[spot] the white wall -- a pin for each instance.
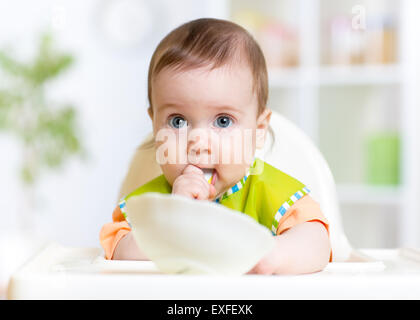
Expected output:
(108, 87)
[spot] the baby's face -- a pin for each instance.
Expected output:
(208, 108)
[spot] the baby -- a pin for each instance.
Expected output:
(209, 76)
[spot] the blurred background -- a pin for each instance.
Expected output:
(73, 100)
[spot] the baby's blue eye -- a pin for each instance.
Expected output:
(223, 122)
(177, 122)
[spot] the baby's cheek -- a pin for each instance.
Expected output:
(230, 150)
(228, 175)
(171, 172)
(171, 148)
(237, 147)
(166, 146)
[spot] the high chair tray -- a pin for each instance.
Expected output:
(58, 272)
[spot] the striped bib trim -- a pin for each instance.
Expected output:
(285, 206)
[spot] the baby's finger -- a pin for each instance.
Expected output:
(252, 270)
(212, 191)
(192, 169)
(201, 192)
(191, 186)
(208, 190)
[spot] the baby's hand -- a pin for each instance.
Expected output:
(268, 263)
(264, 266)
(191, 183)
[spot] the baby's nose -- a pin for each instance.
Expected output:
(199, 143)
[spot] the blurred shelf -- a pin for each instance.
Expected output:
(367, 194)
(303, 91)
(335, 76)
(284, 77)
(360, 75)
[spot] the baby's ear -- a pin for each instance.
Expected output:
(263, 121)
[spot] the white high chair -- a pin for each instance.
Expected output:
(70, 273)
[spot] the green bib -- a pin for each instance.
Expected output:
(264, 193)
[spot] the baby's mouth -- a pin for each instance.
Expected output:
(210, 175)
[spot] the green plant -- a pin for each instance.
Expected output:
(47, 130)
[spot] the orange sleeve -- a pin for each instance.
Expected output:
(111, 233)
(306, 209)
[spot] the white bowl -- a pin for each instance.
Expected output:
(182, 235)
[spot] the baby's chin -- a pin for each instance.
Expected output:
(227, 178)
